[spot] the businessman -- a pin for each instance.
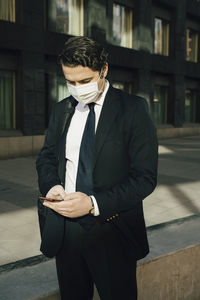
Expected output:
(98, 163)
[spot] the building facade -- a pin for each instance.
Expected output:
(154, 52)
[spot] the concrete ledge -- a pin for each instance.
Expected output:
(173, 276)
(19, 146)
(50, 296)
(164, 133)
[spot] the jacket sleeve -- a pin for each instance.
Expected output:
(142, 175)
(47, 162)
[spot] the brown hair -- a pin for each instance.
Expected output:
(83, 51)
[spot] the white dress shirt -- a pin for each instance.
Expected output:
(73, 142)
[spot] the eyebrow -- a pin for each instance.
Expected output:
(82, 80)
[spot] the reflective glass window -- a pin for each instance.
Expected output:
(161, 37)
(190, 106)
(66, 16)
(125, 86)
(191, 45)
(122, 26)
(7, 100)
(159, 105)
(7, 10)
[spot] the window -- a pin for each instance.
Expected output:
(7, 10)
(122, 26)
(159, 105)
(125, 86)
(57, 88)
(191, 97)
(62, 90)
(56, 91)
(66, 16)
(7, 100)
(161, 37)
(118, 85)
(191, 45)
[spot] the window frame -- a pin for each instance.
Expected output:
(166, 99)
(127, 77)
(130, 5)
(49, 21)
(193, 117)
(194, 86)
(196, 54)
(13, 127)
(11, 18)
(9, 61)
(125, 86)
(165, 35)
(163, 81)
(167, 15)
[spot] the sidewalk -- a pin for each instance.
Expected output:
(177, 196)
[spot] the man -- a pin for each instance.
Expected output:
(99, 161)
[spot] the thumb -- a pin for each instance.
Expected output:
(62, 192)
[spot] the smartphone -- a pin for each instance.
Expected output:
(48, 199)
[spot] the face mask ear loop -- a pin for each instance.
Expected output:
(101, 74)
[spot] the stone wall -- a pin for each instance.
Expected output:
(175, 276)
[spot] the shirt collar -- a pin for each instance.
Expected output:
(102, 98)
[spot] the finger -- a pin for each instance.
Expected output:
(72, 196)
(56, 192)
(58, 205)
(47, 204)
(60, 210)
(54, 196)
(63, 193)
(53, 204)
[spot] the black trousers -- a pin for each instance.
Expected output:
(101, 256)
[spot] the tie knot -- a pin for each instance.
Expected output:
(91, 106)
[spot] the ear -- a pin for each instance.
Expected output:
(105, 71)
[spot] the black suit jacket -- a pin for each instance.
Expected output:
(124, 167)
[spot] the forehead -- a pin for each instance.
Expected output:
(78, 73)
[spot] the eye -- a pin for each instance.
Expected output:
(70, 82)
(85, 81)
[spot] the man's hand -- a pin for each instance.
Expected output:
(56, 192)
(74, 205)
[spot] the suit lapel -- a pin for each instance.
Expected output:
(65, 122)
(69, 111)
(110, 109)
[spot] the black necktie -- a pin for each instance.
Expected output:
(84, 180)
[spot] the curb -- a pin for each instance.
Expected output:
(30, 261)
(49, 296)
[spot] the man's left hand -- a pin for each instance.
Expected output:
(74, 205)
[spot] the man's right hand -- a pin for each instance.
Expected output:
(56, 192)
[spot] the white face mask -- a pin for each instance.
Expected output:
(85, 93)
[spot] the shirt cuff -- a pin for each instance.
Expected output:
(96, 208)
